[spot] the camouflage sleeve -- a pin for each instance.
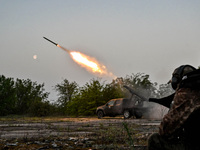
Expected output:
(178, 114)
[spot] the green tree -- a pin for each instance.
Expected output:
(111, 91)
(141, 83)
(74, 106)
(92, 95)
(28, 93)
(89, 97)
(40, 108)
(138, 80)
(7, 95)
(66, 92)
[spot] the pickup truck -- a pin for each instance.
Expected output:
(123, 106)
(120, 106)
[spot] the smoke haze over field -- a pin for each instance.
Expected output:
(152, 37)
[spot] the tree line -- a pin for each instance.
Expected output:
(25, 97)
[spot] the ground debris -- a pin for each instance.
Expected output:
(91, 134)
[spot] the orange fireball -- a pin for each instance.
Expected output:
(87, 62)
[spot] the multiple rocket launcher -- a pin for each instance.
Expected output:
(166, 101)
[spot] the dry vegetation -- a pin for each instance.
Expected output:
(75, 133)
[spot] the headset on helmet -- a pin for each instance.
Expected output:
(179, 73)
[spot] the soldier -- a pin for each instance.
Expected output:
(180, 127)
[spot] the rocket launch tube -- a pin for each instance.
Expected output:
(166, 101)
(135, 93)
(50, 41)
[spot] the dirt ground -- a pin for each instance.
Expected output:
(75, 133)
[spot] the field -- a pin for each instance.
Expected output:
(59, 133)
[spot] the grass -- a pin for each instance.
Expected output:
(108, 133)
(129, 135)
(20, 118)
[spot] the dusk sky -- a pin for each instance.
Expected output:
(127, 36)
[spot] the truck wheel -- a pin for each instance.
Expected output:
(138, 114)
(100, 114)
(126, 114)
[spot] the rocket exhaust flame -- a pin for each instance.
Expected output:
(63, 48)
(90, 64)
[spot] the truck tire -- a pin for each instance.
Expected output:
(100, 114)
(126, 114)
(138, 115)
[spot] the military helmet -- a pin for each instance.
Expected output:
(178, 74)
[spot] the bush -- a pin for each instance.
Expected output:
(40, 109)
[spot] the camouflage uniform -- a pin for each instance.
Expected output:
(172, 134)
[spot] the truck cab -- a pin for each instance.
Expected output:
(112, 107)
